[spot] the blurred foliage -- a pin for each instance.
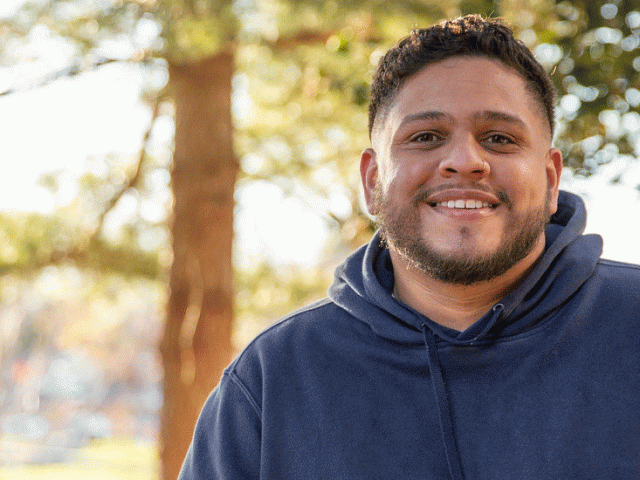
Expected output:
(303, 71)
(598, 80)
(63, 307)
(29, 242)
(265, 293)
(591, 50)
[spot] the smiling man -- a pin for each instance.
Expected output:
(463, 182)
(479, 335)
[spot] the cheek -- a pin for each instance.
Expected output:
(527, 182)
(408, 176)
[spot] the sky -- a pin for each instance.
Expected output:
(8, 7)
(67, 124)
(61, 125)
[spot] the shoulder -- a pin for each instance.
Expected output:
(318, 315)
(309, 324)
(616, 271)
(289, 346)
(616, 282)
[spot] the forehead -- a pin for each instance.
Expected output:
(460, 87)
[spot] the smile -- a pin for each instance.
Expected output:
(472, 204)
(461, 199)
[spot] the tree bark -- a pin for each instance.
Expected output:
(196, 345)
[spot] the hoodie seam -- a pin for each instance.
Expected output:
(314, 306)
(235, 379)
(616, 264)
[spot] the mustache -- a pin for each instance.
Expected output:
(423, 195)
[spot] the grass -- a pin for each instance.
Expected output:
(111, 459)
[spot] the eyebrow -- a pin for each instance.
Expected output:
(429, 115)
(490, 115)
(485, 115)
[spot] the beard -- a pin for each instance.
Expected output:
(399, 229)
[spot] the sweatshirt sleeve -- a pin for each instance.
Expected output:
(226, 441)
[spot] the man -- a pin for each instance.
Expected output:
(479, 335)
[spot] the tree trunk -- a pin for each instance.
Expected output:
(196, 345)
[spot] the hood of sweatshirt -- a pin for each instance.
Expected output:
(364, 283)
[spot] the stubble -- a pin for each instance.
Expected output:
(400, 229)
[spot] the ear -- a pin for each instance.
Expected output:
(369, 176)
(554, 170)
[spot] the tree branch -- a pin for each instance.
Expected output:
(313, 37)
(304, 37)
(135, 177)
(73, 70)
(101, 256)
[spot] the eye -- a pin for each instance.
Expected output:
(425, 137)
(499, 141)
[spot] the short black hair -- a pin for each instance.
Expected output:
(470, 35)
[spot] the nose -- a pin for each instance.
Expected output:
(465, 158)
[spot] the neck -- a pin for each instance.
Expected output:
(453, 305)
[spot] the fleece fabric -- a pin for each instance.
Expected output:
(360, 386)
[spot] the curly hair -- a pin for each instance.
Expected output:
(470, 35)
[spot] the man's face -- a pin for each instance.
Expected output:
(461, 176)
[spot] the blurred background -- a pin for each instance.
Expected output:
(178, 174)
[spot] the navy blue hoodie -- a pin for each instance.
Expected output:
(360, 386)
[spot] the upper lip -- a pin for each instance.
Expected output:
(462, 194)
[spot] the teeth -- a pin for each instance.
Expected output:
(463, 204)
